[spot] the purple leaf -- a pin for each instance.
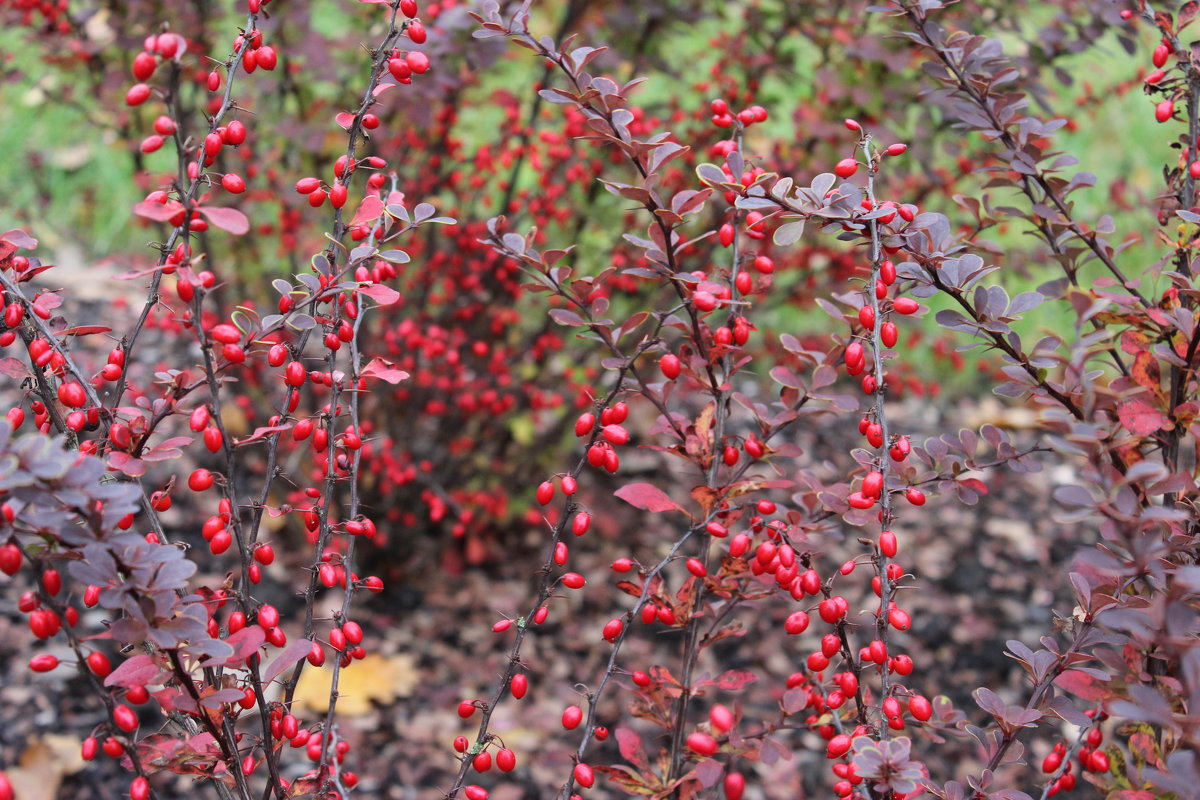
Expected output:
(296, 650)
(245, 643)
(136, 671)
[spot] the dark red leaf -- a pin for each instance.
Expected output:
(295, 650)
(735, 679)
(646, 496)
(1140, 418)
(159, 212)
(368, 210)
(630, 745)
(382, 295)
(384, 370)
(83, 330)
(227, 219)
(134, 671)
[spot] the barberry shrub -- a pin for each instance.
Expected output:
(643, 297)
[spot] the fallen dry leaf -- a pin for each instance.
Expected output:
(45, 762)
(375, 678)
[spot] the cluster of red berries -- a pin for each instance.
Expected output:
(1090, 758)
(723, 116)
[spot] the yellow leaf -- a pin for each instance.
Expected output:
(375, 678)
(43, 765)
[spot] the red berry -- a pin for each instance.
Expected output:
(72, 395)
(838, 746)
(200, 480)
(400, 70)
(417, 61)
(213, 143)
(144, 65)
(10, 559)
(125, 718)
(43, 663)
(295, 374)
(734, 785)
(670, 366)
(267, 58)
(571, 717)
(44, 623)
(920, 708)
(99, 664)
(615, 434)
(220, 542)
(338, 195)
(702, 744)
(830, 610)
(137, 94)
(584, 775)
(268, 616)
(213, 439)
(797, 623)
(888, 334)
(845, 168)
(585, 423)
